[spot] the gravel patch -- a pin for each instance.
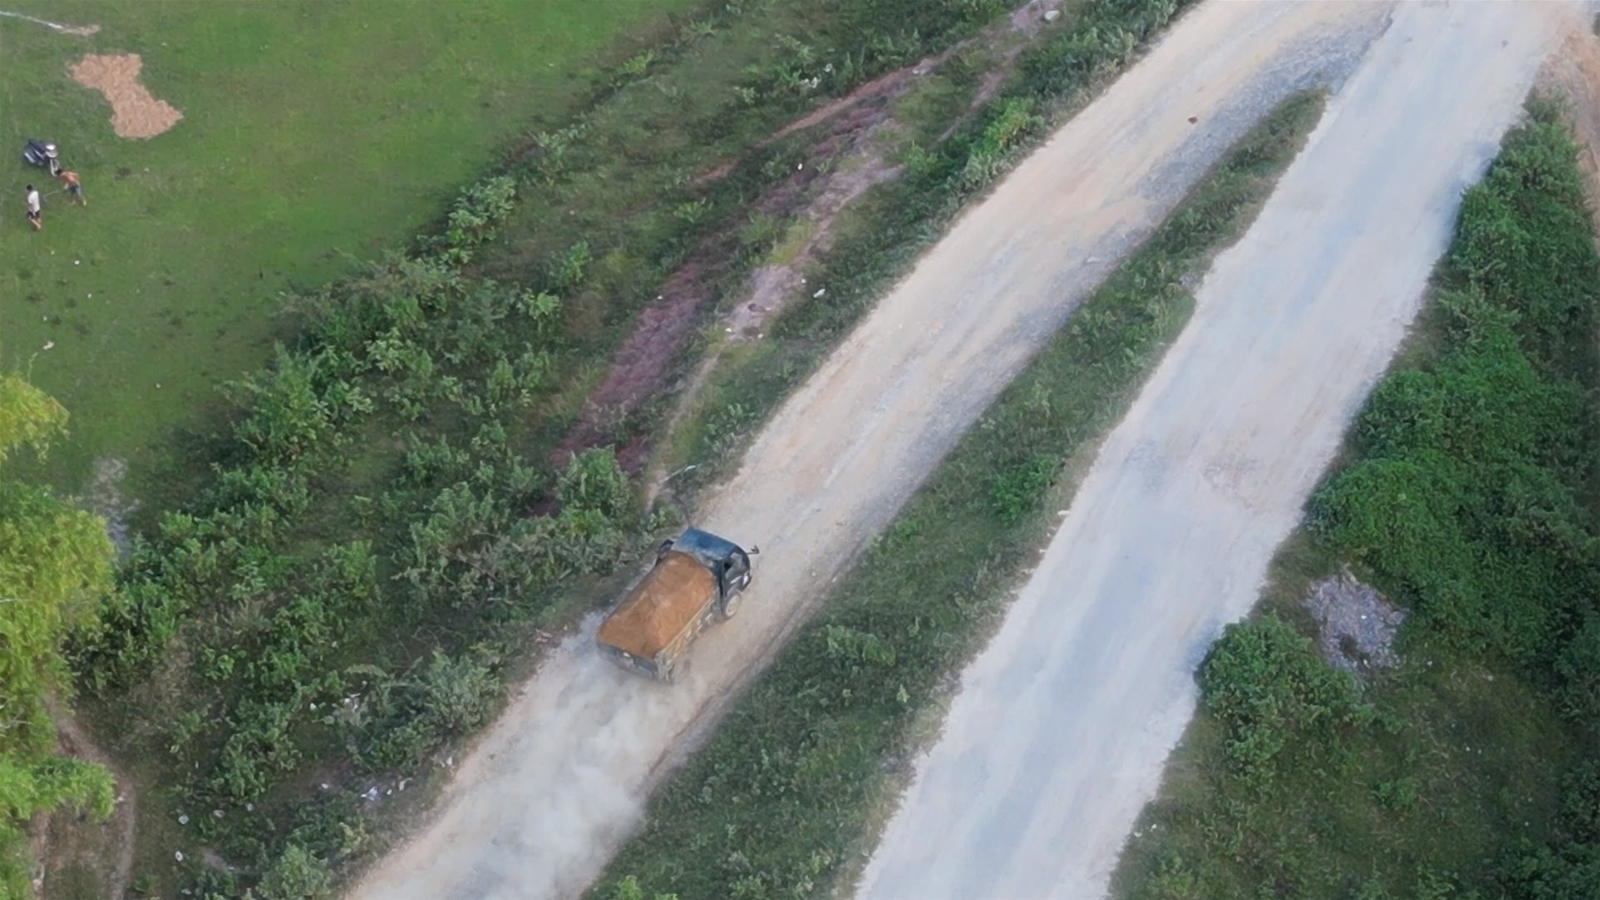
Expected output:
(1358, 624)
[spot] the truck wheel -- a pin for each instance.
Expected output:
(730, 606)
(665, 546)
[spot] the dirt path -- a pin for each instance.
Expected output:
(87, 844)
(1058, 735)
(549, 793)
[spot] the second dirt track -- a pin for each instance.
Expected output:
(1208, 471)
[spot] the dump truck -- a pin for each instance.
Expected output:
(696, 579)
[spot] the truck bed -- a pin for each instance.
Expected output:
(671, 597)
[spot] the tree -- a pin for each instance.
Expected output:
(55, 562)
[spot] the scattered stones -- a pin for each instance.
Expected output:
(1358, 624)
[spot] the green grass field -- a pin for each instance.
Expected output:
(313, 134)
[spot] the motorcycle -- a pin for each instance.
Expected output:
(42, 153)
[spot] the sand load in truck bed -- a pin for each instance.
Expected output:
(665, 603)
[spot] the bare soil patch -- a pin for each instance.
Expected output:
(73, 848)
(639, 369)
(135, 113)
(1358, 624)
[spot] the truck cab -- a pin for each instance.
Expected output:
(697, 578)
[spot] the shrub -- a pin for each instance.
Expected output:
(297, 875)
(1268, 687)
(1398, 795)
(456, 695)
(473, 217)
(1579, 669)
(1019, 488)
(593, 481)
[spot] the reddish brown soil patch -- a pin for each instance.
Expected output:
(640, 366)
(134, 112)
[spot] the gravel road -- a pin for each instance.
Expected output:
(1058, 735)
(559, 781)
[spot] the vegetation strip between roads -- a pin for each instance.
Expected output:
(786, 796)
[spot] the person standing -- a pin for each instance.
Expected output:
(74, 187)
(34, 210)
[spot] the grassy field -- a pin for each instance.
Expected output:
(314, 134)
(794, 781)
(1465, 495)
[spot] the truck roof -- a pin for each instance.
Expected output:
(710, 548)
(669, 598)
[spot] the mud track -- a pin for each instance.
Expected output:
(550, 792)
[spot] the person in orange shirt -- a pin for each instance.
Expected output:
(69, 178)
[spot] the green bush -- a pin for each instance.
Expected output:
(1398, 795)
(594, 481)
(1579, 669)
(456, 695)
(1524, 239)
(1019, 488)
(297, 875)
(1269, 688)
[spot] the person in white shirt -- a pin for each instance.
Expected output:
(33, 209)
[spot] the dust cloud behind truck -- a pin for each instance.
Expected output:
(697, 579)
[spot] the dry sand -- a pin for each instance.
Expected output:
(134, 112)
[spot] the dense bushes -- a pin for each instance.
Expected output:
(1266, 684)
(1466, 498)
(1568, 869)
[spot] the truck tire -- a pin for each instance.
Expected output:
(665, 546)
(730, 606)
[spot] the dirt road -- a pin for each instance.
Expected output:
(559, 781)
(1058, 735)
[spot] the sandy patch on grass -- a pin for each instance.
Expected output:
(135, 113)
